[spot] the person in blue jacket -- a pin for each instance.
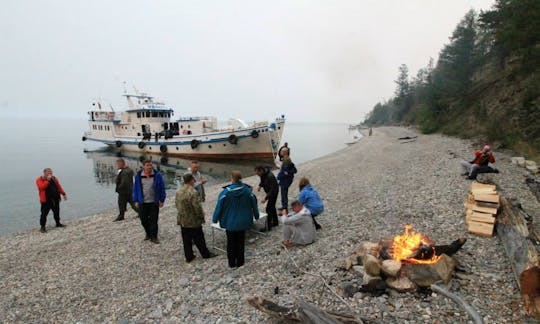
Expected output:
(285, 178)
(235, 209)
(309, 197)
(149, 196)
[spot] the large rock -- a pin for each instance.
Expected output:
(391, 268)
(518, 160)
(358, 270)
(531, 166)
(347, 290)
(371, 280)
(368, 248)
(424, 275)
(401, 284)
(371, 265)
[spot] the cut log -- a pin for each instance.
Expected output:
(475, 186)
(487, 204)
(480, 218)
(523, 254)
(477, 208)
(481, 229)
(302, 312)
(486, 198)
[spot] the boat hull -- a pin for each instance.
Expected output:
(250, 143)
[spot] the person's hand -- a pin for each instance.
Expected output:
(258, 189)
(264, 200)
(284, 212)
(49, 177)
(160, 204)
(65, 197)
(203, 181)
(137, 205)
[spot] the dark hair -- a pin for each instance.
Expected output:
(259, 168)
(303, 182)
(188, 177)
(236, 176)
(147, 161)
(121, 160)
(296, 202)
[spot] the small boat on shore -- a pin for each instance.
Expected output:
(147, 127)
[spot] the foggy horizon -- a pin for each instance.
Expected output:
(313, 61)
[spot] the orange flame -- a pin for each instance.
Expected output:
(405, 246)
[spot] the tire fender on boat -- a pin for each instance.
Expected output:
(118, 143)
(233, 139)
(84, 138)
(142, 144)
(194, 144)
(254, 134)
(163, 148)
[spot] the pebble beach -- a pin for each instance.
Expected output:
(96, 271)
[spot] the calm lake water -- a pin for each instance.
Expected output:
(87, 172)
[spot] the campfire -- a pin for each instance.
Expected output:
(414, 248)
(404, 263)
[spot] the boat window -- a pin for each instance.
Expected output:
(188, 126)
(147, 114)
(154, 114)
(139, 115)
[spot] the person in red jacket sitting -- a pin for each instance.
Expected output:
(480, 164)
(49, 189)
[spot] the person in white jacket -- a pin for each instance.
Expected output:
(298, 226)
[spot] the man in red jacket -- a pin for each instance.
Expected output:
(49, 189)
(480, 164)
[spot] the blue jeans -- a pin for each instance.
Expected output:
(284, 196)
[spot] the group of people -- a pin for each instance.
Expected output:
(235, 210)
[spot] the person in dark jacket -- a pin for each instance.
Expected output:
(309, 197)
(124, 188)
(271, 188)
(285, 177)
(235, 209)
(49, 190)
(149, 196)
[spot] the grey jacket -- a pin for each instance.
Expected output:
(124, 181)
(303, 229)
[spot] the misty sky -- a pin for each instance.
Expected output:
(311, 60)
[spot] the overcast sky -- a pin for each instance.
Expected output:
(311, 60)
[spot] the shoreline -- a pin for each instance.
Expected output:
(96, 270)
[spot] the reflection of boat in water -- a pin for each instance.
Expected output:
(172, 167)
(147, 127)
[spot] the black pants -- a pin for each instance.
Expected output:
(53, 204)
(149, 214)
(272, 219)
(194, 235)
(284, 196)
(480, 169)
(235, 248)
(123, 200)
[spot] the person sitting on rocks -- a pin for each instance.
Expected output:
(309, 197)
(480, 164)
(298, 227)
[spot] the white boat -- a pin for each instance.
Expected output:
(147, 127)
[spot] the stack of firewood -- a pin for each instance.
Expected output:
(481, 209)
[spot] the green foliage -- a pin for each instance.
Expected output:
(447, 96)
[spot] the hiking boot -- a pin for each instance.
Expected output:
(154, 240)
(119, 218)
(495, 171)
(146, 238)
(43, 229)
(210, 255)
(60, 225)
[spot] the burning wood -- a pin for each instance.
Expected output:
(404, 262)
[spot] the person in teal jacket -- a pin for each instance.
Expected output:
(235, 209)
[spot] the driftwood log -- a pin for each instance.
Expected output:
(521, 244)
(302, 312)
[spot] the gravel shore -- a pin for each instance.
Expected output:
(95, 270)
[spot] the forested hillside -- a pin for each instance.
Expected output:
(485, 83)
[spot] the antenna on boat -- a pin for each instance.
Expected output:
(125, 89)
